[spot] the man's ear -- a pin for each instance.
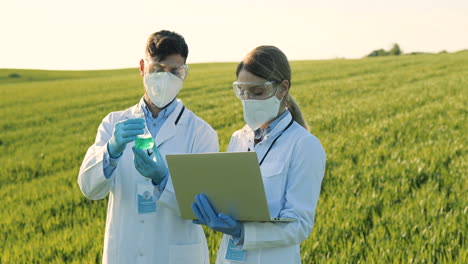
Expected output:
(142, 68)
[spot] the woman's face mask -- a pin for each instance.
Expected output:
(259, 112)
(259, 101)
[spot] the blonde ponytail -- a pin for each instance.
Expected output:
(295, 110)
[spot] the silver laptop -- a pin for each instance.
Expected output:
(231, 180)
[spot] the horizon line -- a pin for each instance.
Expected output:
(226, 62)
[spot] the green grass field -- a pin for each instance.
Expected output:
(394, 129)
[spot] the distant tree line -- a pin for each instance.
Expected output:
(394, 51)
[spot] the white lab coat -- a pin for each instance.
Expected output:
(292, 173)
(161, 237)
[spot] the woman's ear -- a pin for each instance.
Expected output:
(142, 68)
(283, 89)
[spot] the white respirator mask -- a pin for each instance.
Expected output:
(162, 87)
(258, 112)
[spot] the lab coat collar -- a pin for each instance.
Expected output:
(168, 129)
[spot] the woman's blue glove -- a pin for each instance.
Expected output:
(219, 222)
(124, 132)
(147, 167)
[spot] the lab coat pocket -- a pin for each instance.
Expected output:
(272, 175)
(189, 253)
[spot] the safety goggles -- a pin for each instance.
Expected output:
(180, 71)
(255, 90)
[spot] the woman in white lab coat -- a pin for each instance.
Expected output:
(292, 163)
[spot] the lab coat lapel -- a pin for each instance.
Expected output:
(168, 129)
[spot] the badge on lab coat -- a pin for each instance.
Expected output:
(146, 203)
(235, 253)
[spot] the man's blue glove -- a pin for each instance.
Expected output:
(147, 167)
(219, 222)
(124, 132)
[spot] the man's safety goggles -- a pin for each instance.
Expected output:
(180, 71)
(255, 90)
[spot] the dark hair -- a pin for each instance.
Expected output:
(165, 43)
(270, 63)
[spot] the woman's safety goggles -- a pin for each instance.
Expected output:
(254, 90)
(180, 71)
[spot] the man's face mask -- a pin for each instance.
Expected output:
(163, 81)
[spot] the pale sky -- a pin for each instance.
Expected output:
(108, 34)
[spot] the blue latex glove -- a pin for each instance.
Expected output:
(124, 132)
(206, 215)
(147, 167)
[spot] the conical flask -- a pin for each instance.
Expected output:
(144, 141)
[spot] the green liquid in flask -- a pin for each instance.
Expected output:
(144, 143)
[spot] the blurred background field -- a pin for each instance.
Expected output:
(394, 129)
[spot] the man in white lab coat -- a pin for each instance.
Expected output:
(143, 223)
